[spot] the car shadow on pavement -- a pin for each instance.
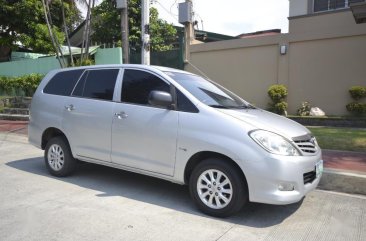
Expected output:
(115, 182)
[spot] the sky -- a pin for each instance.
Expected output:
(231, 17)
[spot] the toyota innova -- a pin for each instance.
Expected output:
(177, 126)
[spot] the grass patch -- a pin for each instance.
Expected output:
(329, 117)
(346, 139)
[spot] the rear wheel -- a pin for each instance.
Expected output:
(58, 158)
(217, 188)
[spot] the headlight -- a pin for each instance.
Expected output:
(274, 143)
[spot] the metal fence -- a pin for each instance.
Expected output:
(171, 58)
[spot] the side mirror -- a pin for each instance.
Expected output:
(160, 99)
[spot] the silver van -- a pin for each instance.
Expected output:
(176, 126)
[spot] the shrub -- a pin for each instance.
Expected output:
(24, 85)
(304, 110)
(357, 92)
(86, 62)
(356, 108)
(278, 94)
(281, 107)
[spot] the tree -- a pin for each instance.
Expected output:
(107, 28)
(87, 31)
(23, 22)
(55, 42)
(66, 32)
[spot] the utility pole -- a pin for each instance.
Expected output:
(185, 18)
(123, 5)
(145, 29)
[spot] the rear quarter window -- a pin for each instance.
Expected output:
(63, 82)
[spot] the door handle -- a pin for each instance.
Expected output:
(69, 107)
(121, 115)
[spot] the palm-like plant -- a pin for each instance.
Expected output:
(48, 20)
(57, 47)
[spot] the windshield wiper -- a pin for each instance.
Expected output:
(233, 106)
(240, 107)
(245, 107)
(219, 106)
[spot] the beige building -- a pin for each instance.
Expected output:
(321, 57)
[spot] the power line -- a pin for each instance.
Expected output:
(175, 2)
(166, 10)
(196, 14)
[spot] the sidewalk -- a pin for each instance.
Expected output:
(345, 160)
(344, 171)
(19, 127)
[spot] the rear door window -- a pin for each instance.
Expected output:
(63, 82)
(97, 84)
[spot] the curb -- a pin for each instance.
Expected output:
(343, 181)
(342, 151)
(14, 117)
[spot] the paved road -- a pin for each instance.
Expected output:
(100, 203)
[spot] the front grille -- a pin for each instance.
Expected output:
(307, 144)
(309, 177)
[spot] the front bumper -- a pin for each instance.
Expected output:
(267, 176)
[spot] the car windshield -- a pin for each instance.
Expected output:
(209, 92)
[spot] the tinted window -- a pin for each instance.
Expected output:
(63, 82)
(320, 5)
(137, 86)
(325, 5)
(78, 91)
(97, 84)
(184, 104)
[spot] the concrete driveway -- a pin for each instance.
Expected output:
(100, 203)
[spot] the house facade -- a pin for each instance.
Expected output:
(307, 7)
(321, 57)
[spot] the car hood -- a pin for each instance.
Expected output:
(261, 119)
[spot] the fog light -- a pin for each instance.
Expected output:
(286, 187)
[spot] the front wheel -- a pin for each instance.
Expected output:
(58, 158)
(217, 188)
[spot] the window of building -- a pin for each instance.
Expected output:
(97, 84)
(327, 5)
(63, 82)
(137, 86)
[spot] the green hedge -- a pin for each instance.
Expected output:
(24, 85)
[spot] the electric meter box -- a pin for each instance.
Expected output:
(121, 3)
(185, 12)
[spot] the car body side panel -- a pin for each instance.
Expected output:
(46, 112)
(88, 127)
(211, 131)
(145, 138)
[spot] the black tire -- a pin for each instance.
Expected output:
(63, 148)
(239, 196)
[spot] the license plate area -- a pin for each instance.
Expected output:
(319, 168)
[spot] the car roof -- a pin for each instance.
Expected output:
(147, 67)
